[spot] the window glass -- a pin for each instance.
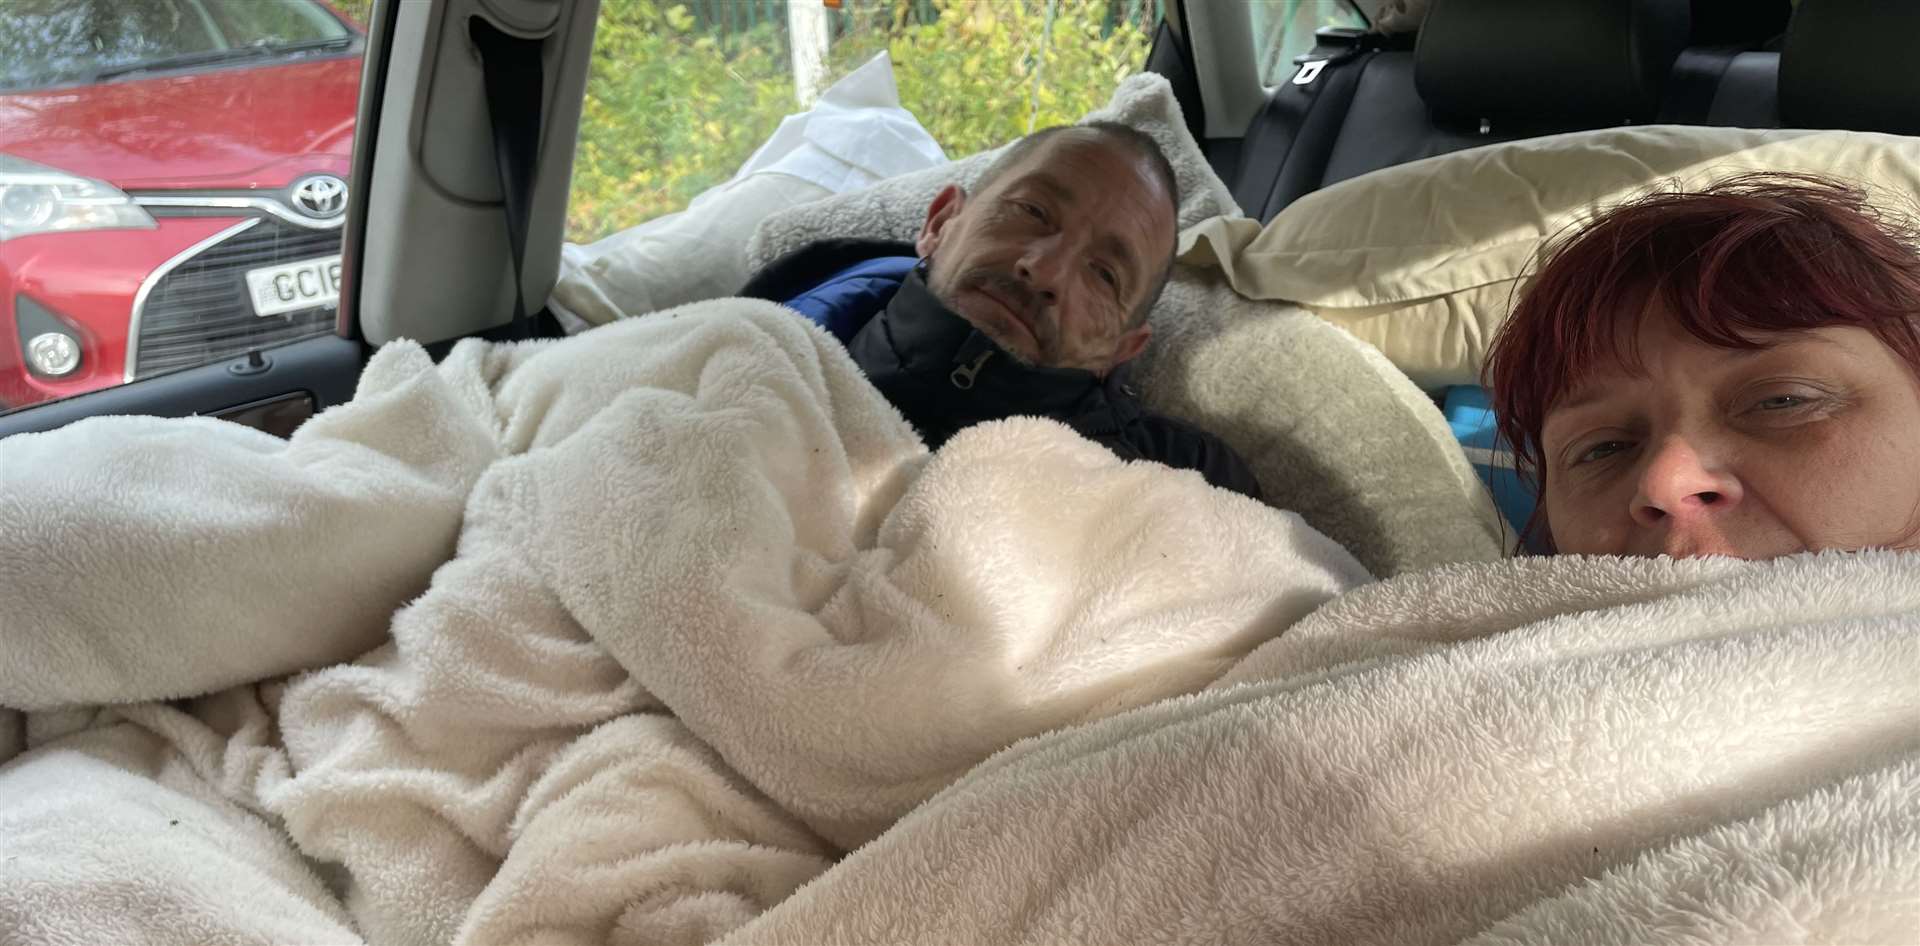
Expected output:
(275, 22)
(681, 94)
(1283, 29)
(47, 42)
(172, 183)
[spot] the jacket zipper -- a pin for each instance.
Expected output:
(962, 377)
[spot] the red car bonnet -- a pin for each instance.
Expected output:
(226, 127)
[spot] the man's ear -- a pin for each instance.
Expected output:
(1132, 344)
(941, 213)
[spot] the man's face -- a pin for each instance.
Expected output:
(1054, 257)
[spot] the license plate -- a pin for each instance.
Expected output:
(290, 287)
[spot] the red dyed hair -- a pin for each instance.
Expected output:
(1736, 263)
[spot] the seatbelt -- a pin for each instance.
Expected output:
(510, 67)
(1263, 184)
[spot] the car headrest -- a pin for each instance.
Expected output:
(1744, 23)
(1565, 62)
(1849, 64)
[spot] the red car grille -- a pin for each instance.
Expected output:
(200, 312)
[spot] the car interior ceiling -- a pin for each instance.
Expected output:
(1481, 71)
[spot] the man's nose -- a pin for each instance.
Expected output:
(1044, 267)
(1682, 485)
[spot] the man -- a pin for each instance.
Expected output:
(1026, 297)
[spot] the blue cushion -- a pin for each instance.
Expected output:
(844, 301)
(1469, 411)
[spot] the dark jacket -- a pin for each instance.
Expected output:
(943, 375)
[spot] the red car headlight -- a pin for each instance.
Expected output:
(38, 199)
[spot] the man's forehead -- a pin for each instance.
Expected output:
(1067, 150)
(1059, 167)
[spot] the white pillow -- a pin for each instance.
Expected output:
(854, 135)
(1330, 428)
(1423, 260)
(675, 259)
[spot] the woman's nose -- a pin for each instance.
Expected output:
(1680, 485)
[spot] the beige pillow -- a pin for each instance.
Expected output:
(1423, 260)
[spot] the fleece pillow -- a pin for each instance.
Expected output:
(895, 208)
(1331, 429)
(1423, 260)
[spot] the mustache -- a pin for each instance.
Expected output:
(1020, 298)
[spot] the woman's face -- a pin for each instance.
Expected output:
(1812, 442)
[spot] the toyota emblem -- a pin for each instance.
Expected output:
(322, 195)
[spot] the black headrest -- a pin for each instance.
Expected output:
(1746, 23)
(1567, 62)
(1850, 64)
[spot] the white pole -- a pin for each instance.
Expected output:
(1040, 66)
(807, 45)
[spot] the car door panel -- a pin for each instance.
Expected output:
(324, 370)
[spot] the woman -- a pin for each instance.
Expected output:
(1734, 371)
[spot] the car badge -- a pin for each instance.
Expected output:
(322, 196)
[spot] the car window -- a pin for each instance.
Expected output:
(275, 22)
(45, 42)
(1283, 29)
(681, 94)
(172, 183)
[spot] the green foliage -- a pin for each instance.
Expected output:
(979, 76)
(356, 10)
(675, 105)
(672, 110)
(669, 113)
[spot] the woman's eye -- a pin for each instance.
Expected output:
(1033, 210)
(1601, 451)
(1107, 276)
(1781, 402)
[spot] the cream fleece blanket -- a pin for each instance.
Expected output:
(713, 617)
(1554, 751)
(1570, 750)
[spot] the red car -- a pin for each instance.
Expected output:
(172, 184)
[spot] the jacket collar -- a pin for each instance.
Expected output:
(945, 375)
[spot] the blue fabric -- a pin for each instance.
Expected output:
(1469, 411)
(844, 301)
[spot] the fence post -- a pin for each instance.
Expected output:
(1040, 65)
(807, 48)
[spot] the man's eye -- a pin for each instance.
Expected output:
(1601, 451)
(1107, 276)
(1033, 210)
(1781, 402)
